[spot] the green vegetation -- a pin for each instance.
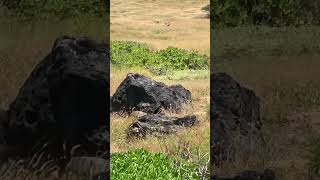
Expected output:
(260, 12)
(265, 41)
(315, 159)
(57, 9)
(132, 54)
(140, 164)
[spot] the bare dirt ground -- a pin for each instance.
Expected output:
(162, 23)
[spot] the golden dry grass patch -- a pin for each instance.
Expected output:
(161, 23)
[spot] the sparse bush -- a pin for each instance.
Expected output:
(140, 164)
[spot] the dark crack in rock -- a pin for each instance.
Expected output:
(139, 93)
(158, 125)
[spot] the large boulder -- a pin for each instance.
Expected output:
(137, 92)
(63, 101)
(235, 117)
(158, 125)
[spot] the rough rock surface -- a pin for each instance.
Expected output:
(63, 101)
(158, 125)
(140, 93)
(235, 117)
(250, 175)
(3, 119)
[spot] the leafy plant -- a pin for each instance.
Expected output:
(131, 54)
(141, 164)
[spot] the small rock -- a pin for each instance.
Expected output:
(158, 125)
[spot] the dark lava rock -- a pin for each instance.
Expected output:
(235, 117)
(3, 119)
(158, 125)
(143, 94)
(250, 175)
(64, 99)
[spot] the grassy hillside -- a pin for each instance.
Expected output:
(280, 65)
(184, 145)
(168, 44)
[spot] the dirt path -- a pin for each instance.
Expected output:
(162, 23)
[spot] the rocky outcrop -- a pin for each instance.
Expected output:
(145, 99)
(235, 117)
(250, 175)
(63, 101)
(158, 125)
(137, 92)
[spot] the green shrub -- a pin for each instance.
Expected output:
(180, 59)
(262, 12)
(130, 54)
(140, 164)
(315, 158)
(59, 9)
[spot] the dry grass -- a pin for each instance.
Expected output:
(41, 167)
(162, 23)
(289, 90)
(188, 140)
